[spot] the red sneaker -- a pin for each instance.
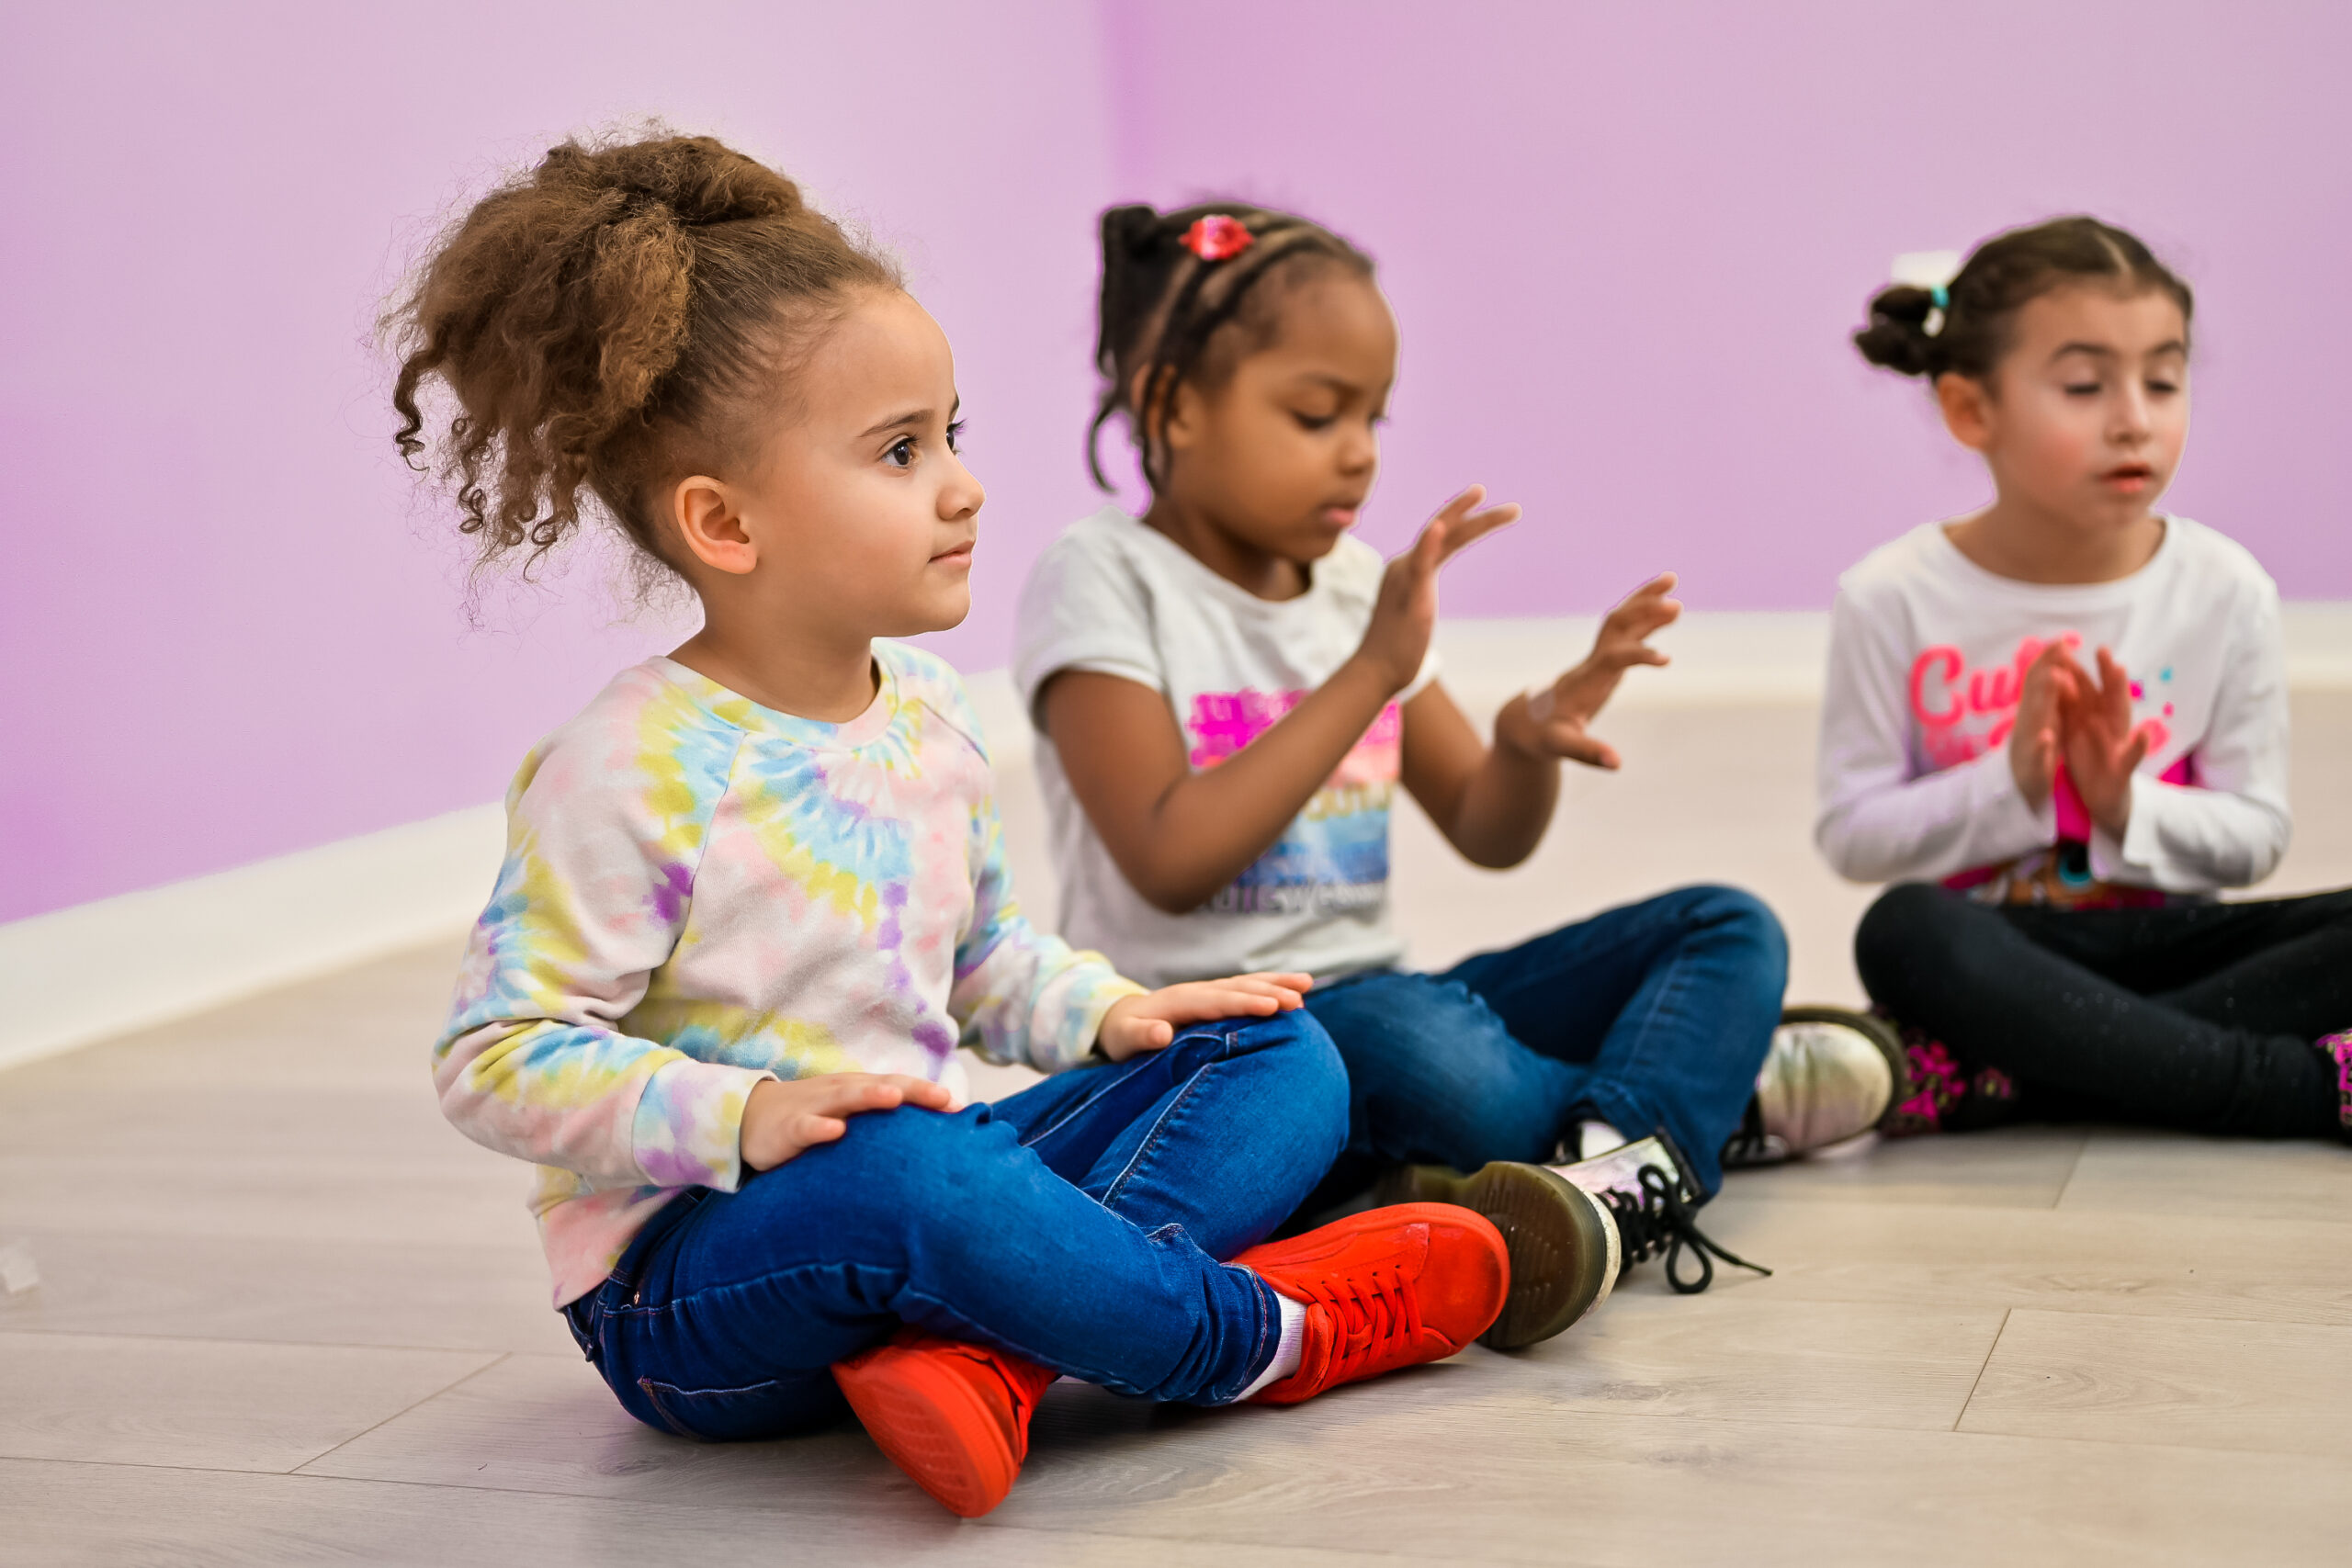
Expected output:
(954, 1417)
(1391, 1287)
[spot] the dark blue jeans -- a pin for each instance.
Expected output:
(1654, 1015)
(1079, 1224)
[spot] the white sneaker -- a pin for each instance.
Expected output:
(1647, 1191)
(1830, 1076)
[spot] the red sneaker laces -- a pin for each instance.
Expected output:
(1372, 1313)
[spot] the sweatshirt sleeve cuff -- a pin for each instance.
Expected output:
(689, 1126)
(1082, 1013)
(2013, 826)
(2132, 858)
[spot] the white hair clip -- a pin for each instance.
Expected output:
(1933, 271)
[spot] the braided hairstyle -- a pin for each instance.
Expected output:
(1166, 312)
(609, 319)
(2000, 277)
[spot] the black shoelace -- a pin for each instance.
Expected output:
(1748, 1142)
(1656, 1220)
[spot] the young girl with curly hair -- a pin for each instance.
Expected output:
(2059, 724)
(754, 895)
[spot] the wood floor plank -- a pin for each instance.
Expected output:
(432, 1295)
(2016, 1167)
(1426, 1465)
(2264, 1387)
(2127, 1171)
(265, 1198)
(1912, 1257)
(1738, 1353)
(218, 1405)
(86, 1516)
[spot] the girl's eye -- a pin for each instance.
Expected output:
(955, 436)
(1315, 420)
(2163, 388)
(901, 454)
(2083, 389)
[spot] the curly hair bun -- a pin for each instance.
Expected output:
(1897, 337)
(593, 315)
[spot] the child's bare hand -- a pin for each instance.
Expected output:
(1136, 1024)
(784, 1119)
(2103, 747)
(1406, 613)
(1553, 722)
(2037, 734)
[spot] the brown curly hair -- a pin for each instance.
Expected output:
(607, 321)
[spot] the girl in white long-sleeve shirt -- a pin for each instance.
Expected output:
(2061, 723)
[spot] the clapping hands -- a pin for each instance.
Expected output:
(2066, 715)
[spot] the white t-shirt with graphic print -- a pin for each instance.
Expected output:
(1114, 596)
(1927, 657)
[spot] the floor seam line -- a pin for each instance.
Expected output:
(1978, 1382)
(396, 1414)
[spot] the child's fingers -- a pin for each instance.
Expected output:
(1471, 530)
(1460, 505)
(923, 1092)
(1579, 746)
(811, 1129)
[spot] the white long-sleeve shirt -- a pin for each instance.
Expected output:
(1927, 654)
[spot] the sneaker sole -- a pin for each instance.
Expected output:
(927, 1426)
(1878, 1032)
(1563, 1245)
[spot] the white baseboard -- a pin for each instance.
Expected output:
(99, 969)
(121, 964)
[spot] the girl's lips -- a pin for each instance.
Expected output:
(960, 556)
(2129, 481)
(1339, 516)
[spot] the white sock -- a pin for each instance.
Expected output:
(1286, 1348)
(1598, 1138)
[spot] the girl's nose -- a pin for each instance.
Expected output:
(962, 495)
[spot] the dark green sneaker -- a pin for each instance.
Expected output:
(1563, 1242)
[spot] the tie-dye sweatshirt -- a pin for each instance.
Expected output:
(700, 892)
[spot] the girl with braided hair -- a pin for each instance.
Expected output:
(1231, 686)
(755, 896)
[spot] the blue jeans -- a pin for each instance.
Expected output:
(1079, 1224)
(1654, 1015)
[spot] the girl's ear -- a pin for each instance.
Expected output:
(1180, 418)
(1967, 408)
(703, 511)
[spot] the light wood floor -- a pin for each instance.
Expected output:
(286, 1315)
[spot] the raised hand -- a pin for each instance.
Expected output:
(784, 1119)
(2103, 747)
(1554, 722)
(2036, 734)
(1406, 613)
(1149, 1023)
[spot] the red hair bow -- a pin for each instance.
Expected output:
(1219, 237)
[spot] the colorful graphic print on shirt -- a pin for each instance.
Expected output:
(1963, 713)
(1333, 857)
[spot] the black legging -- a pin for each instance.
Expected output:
(2199, 1017)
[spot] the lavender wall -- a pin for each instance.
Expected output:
(229, 629)
(1624, 242)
